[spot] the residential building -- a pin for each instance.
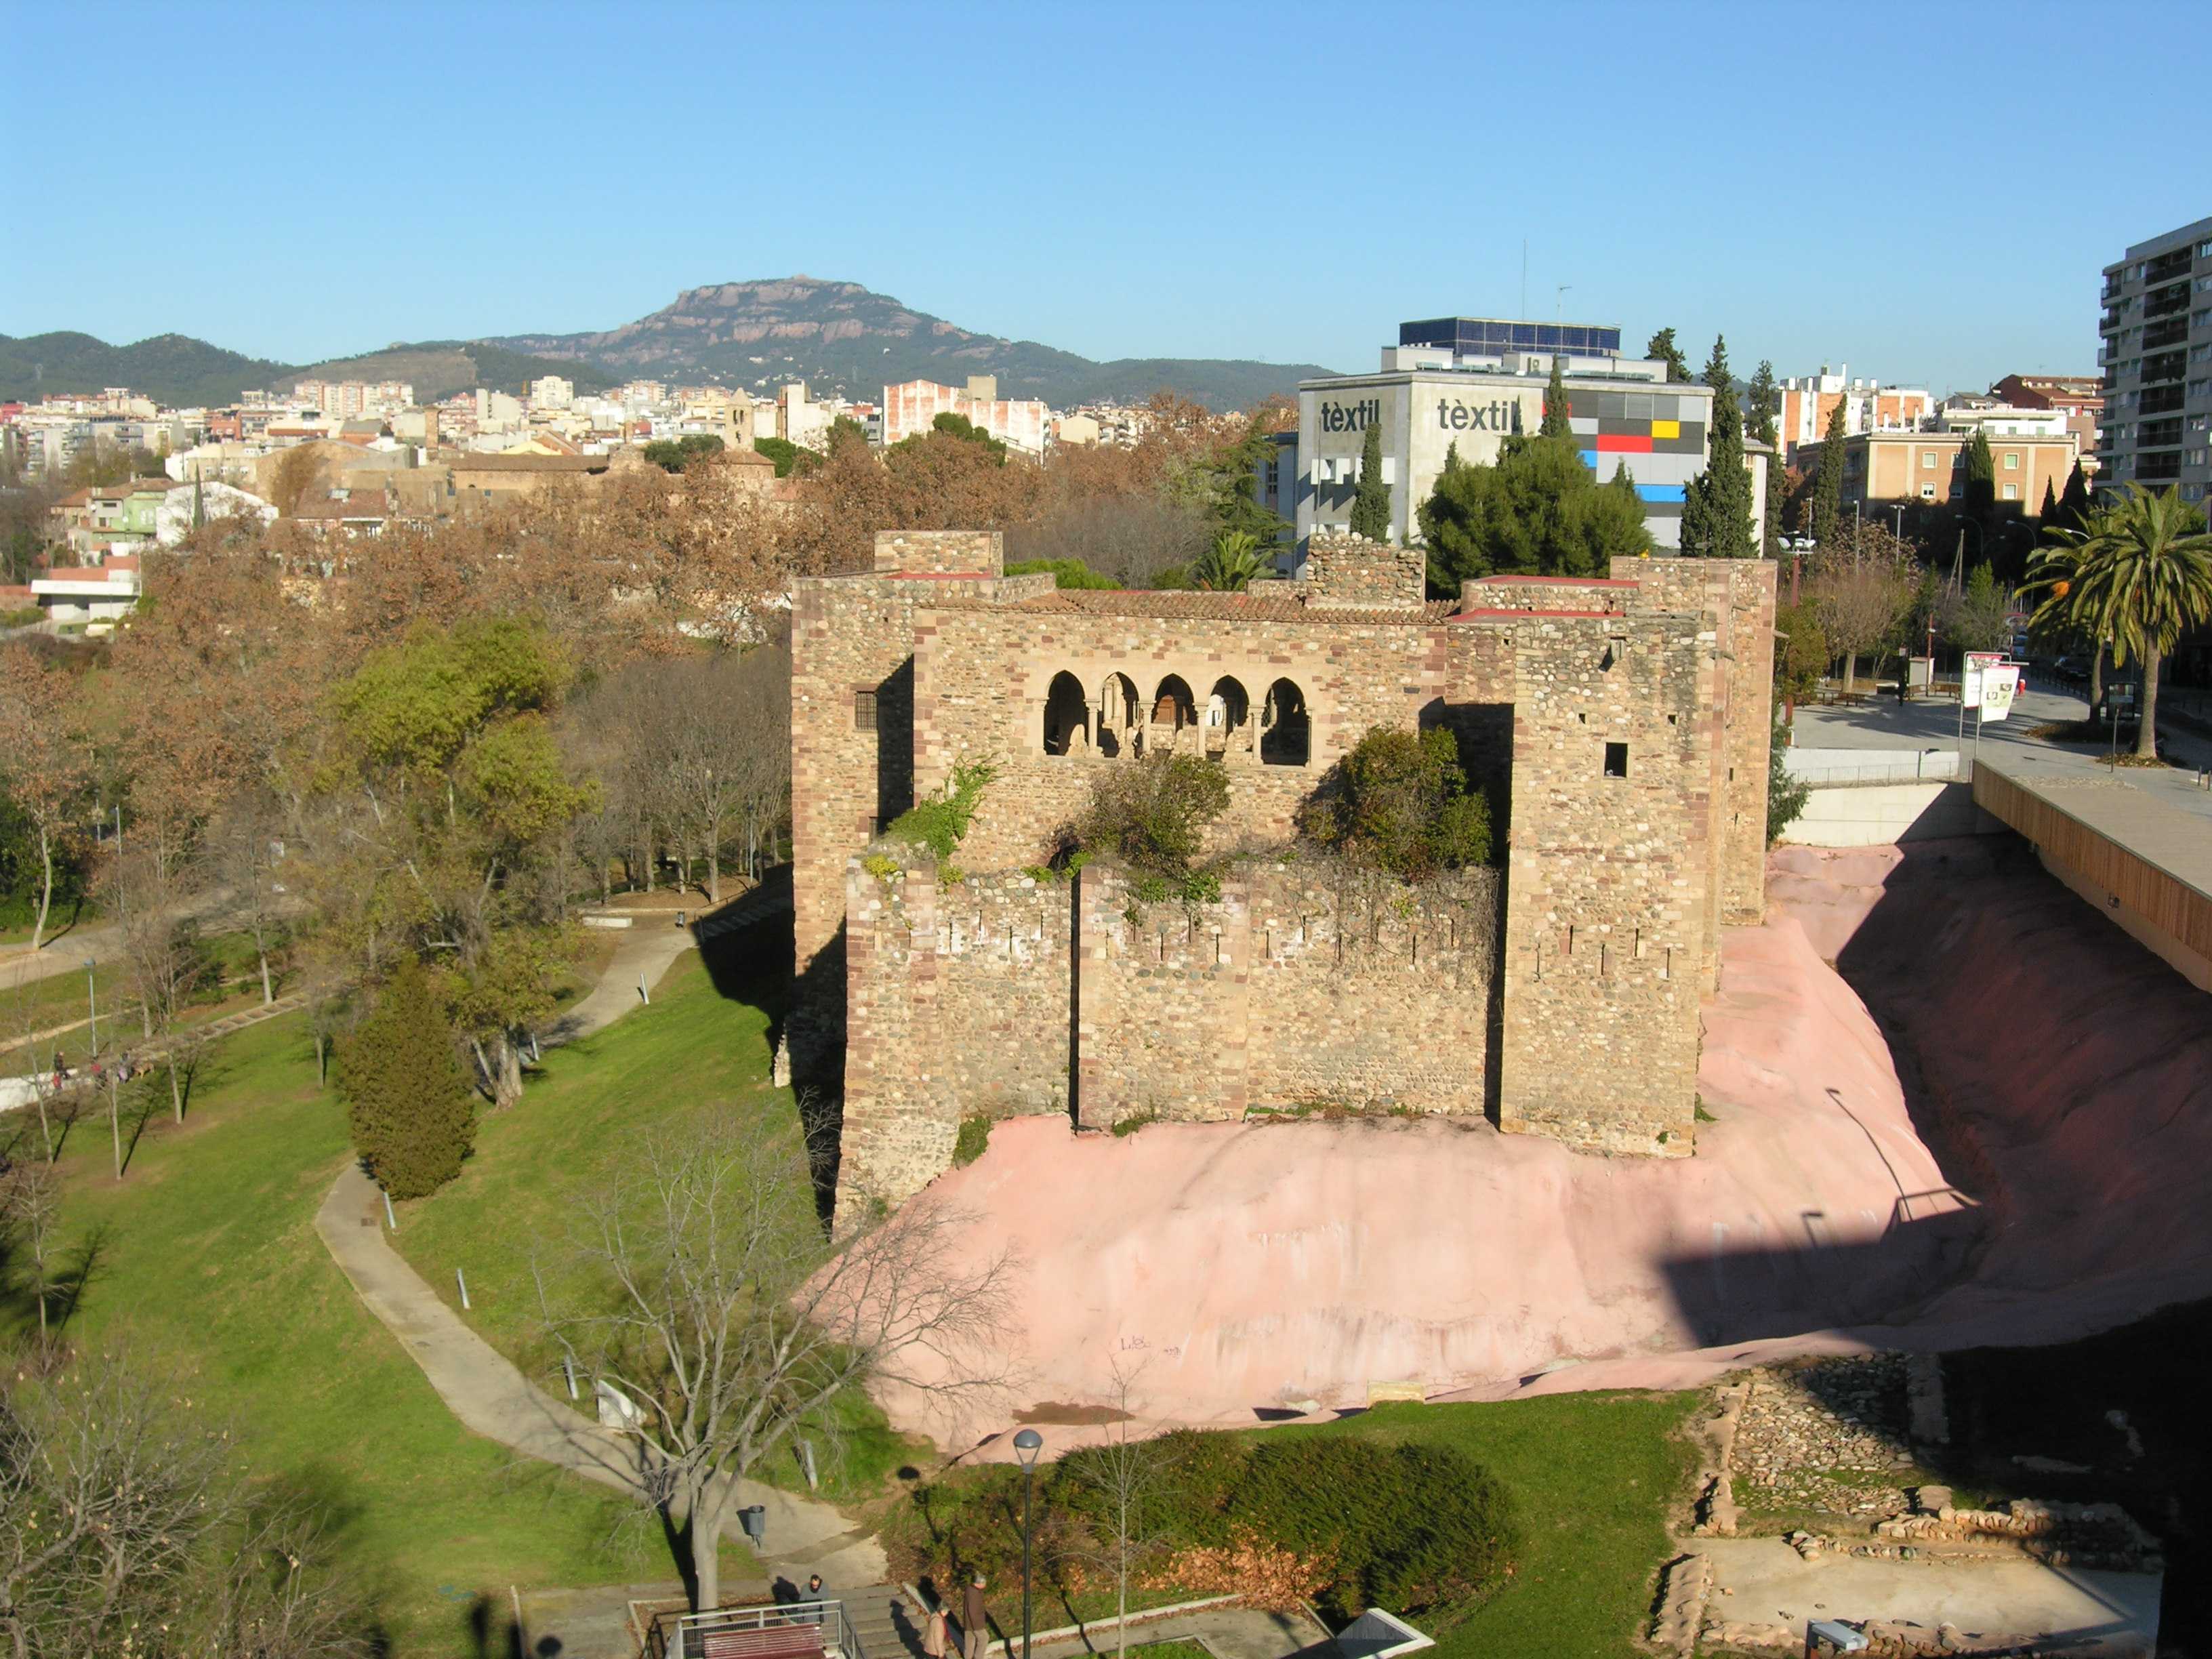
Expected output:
(346, 399)
(2157, 359)
(1971, 412)
(1075, 429)
(1808, 403)
(1884, 469)
(910, 410)
(2079, 398)
(1624, 411)
(551, 392)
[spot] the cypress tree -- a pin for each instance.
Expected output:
(2074, 505)
(2049, 514)
(1981, 487)
(1371, 504)
(1661, 348)
(1556, 423)
(1762, 401)
(1828, 486)
(1717, 507)
(406, 1099)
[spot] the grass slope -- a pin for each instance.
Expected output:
(693, 1050)
(1592, 1476)
(206, 1263)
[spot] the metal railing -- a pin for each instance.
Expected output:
(782, 1629)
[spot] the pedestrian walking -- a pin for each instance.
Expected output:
(935, 1640)
(975, 1621)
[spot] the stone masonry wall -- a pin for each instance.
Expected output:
(1749, 735)
(1302, 987)
(1606, 950)
(983, 678)
(852, 636)
(1352, 570)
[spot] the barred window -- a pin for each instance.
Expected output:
(864, 711)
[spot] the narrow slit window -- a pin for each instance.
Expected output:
(864, 711)
(1616, 760)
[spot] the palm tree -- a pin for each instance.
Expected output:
(1230, 565)
(2141, 573)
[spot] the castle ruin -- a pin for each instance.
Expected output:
(1623, 724)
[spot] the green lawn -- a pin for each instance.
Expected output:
(208, 1268)
(1592, 1477)
(513, 1203)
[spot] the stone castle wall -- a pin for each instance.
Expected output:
(983, 680)
(1352, 570)
(1621, 863)
(1009, 995)
(1607, 948)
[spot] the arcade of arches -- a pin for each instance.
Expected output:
(1117, 721)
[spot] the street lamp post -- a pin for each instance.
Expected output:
(92, 996)
(1027, 1444)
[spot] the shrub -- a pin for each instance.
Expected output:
(1409, 1526)
(1400, 801)
(406, 1098)
(1136, 1121)
(22, 619)
(1153, 817)
(1066, 573)
(973, 1140)
(940, 824)
(879, 866)
(1786, 793)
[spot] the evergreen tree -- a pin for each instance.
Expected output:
(1661, 348)
(1981, 501)
(1717, 508)
(406, 1099)
(1828, 486)
(1371, 505)
(2049, 514)
(1538, 511)
(1556, 422)
(2074, 505)
(1762, 402)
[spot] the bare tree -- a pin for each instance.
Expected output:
(31, 1207)
(1121, 1474)
(154, 879)
(108, 1495)
(243, 850)
(127, 1531)
(717, 1308)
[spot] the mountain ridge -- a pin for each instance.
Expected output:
(842, 337)
(836, 337)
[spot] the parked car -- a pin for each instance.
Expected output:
(2071, 668)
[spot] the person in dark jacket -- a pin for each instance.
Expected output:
(975, 1621)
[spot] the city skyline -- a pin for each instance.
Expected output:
(1285, 193)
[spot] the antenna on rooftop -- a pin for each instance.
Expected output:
(1559, 301)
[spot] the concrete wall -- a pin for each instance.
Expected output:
(1880, 815)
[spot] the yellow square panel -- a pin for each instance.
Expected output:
(1666, 428)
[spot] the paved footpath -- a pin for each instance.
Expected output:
(484, 1389)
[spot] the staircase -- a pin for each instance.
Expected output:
(885, 1620)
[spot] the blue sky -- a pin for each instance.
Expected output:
(1914, 190)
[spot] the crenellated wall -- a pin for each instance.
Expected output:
(1308, 985)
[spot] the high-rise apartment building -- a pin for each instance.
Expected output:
(2157, 358)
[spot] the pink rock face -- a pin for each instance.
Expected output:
(1243, 1265)
(2067, 1074)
